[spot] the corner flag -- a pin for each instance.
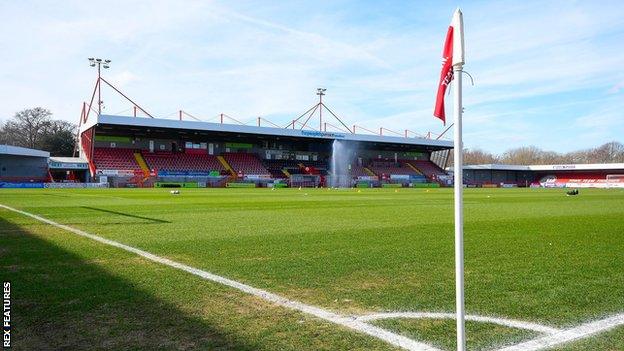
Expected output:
(452, 65)
(452, 54)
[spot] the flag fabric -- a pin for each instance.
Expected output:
(452, 54)
(446, 75)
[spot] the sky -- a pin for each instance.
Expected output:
(547, 74)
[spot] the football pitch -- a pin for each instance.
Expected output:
(311, 269)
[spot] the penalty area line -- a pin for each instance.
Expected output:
(345, 321)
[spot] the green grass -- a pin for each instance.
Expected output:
(479, 335)
(531, 254)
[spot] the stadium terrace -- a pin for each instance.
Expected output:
(135, 151)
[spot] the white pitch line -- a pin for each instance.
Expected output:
(349, 322)
(484, 319)
(576, 333)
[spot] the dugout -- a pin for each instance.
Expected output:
(69, 169)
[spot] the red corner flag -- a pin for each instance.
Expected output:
(446, 76)
(454, 39)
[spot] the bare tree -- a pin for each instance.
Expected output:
(34, 128)
(4, 138)
(609, 152)
(27, 127)
(525, 155)
(530, 155)
(478, 157)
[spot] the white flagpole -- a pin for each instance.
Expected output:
(459, 209)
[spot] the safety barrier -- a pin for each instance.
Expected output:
(21, 185)
(241, 185)
(425, 185)
(176, 185)
(74, 185)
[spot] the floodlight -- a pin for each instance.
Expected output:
(99, 62)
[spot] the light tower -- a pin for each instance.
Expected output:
(100, 63)
(320, 92)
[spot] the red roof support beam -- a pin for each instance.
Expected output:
(127, 98)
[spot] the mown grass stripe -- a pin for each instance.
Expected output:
(349, 322)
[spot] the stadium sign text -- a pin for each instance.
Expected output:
(68, 165)
(321, 134)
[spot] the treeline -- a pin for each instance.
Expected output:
(35, 129)
(612, 152)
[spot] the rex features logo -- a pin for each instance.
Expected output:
(6, 315)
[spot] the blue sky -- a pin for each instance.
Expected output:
(547, 74)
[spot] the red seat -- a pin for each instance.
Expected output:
(115, 159)
(428, 168)
(182, 162)
(390, 168)
(246, 163)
